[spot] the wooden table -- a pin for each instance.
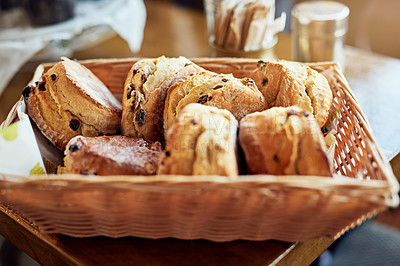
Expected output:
(170, 31)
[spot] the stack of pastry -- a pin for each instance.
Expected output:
(178, 118)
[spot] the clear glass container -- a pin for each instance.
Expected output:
(241, 28)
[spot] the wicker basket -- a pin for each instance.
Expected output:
(288, 208)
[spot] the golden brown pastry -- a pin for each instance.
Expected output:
(111, 155)
(283, 141)
(239, 96)
(285, 83)
(69, 101)
(145, 90)
(201, 141)
(178, 91)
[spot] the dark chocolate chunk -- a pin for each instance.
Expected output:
(75, 147)
(304, 113)
(26, 91)
(167, 153)
(217, 87)
(74, 124)
(53, 77)
(224, 80)
(193, 122)
(324, 130)
(203, 99)
(141, 117)
(265, 81)
(276, 159)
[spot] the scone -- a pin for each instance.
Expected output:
(239, 96)
(285, 83)
(201, 141)
(283, 141)
(111, 155)
(178, 91)
(145, 90)
(69, 101)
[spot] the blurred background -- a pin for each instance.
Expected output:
(373, 25)
(36, 31)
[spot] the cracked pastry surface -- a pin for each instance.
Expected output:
(283, 141)
(178, 91)
(69, 101)
(286, 83)
(239, 96)
(145, 90)
(201, 141)
(111, 155)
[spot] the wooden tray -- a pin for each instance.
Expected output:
(287, 208)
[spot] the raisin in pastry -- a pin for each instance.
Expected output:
(69, 101)
(283, 141)
(145, 90)
(111, 155)
(201, 141)
(239, 96)
(285, 83)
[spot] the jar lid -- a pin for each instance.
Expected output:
(320, 18)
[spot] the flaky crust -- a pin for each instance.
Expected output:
(145, 90)
(239, 96)
(111, 155)
(69, 101)
(285, 83)
(283, 141)
(201, 141)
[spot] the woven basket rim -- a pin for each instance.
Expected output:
(379, 192)
(298, 179)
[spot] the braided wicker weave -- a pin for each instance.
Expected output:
(288, 208)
